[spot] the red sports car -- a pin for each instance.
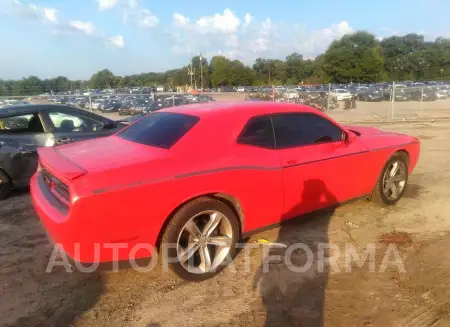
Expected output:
(197, 178)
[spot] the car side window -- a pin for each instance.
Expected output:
(293, 130)
(258, 132)
(30, 123)
(68, 123)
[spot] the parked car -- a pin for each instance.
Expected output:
(291, 95)
(341, 94)
(425, 95)
(201, 188)
(96, 104)
(134, 118)
(174, 101)
(25, 128)
(370, 95)
(126, 107)
(111, 106)
(441, 94)
(401, 94)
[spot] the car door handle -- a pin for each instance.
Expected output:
(64, 140)
(291, 162)
(26, 151)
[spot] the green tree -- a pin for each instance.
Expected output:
(103, 79)
(220, 71)
(354, 58)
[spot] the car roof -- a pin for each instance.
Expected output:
(21, 109)
(244, 108)
(27, 109)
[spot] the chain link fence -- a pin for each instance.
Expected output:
(384, 102)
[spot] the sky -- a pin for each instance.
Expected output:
(76, 38)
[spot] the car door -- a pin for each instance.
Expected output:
(320, 167)
(260, 190)
(71, 125)
(20, 136)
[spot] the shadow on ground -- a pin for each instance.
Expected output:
(293, 288)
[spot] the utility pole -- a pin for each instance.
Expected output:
(191, 72)
(268, 64)
(201, 70)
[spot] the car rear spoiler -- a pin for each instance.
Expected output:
(59, 165)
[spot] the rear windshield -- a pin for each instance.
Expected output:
(160, 129)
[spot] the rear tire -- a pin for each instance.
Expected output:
(383, 191)
(200, 252)
(5, 185)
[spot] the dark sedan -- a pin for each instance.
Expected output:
(126, 107)
(112, 106)
(25, 128)
(370, 95)
(425, 95)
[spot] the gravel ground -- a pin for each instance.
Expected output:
(417, 297)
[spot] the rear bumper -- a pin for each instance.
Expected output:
(80, 240)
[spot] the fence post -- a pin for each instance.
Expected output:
(173, 100)
(328, 97)
(90, 102)
(393, 100)
(421, 104)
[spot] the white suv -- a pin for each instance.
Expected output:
(341, 94)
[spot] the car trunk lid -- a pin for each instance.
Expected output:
(108, 152)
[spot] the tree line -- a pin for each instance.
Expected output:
(357, 58)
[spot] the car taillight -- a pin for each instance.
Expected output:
(56, 187)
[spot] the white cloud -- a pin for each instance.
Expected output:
(248, 19)
(133, 3)
(51, 14)
(180, 19)
(261, 42)
(311, 43)
(232, 41)
(146, 19)
(106, 4)
(87, 28)
(139, 16)
(49, 17)
(227, 22)
(30, 12)
(118, 41)
(246, 38)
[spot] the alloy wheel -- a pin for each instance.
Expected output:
(204, 242)
(394, 180)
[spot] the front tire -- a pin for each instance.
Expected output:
(200, 239)
(392, 182)
(5, 185)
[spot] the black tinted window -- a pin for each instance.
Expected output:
(258, 132)
(293, 130)
(160, 129)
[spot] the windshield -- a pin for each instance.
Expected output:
(161, 129)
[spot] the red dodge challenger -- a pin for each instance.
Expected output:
(198, 178)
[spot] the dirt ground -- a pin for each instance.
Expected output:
(419, 296)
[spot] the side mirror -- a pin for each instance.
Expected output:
(349, 137)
